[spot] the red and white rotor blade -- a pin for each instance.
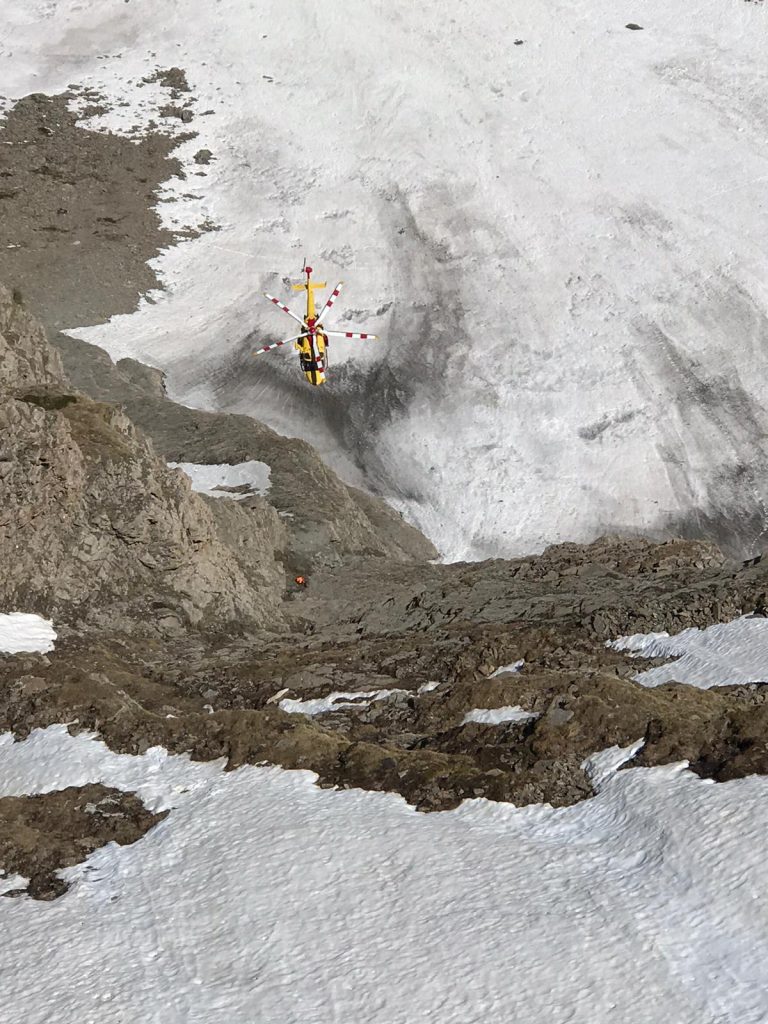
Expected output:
(285, 309)
(349, 334)
(277, 344)
(329, 302)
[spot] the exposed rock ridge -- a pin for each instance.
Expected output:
(326, 520)
(94, 525)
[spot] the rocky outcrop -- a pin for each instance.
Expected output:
(80, 209)
(326, 521)
(613, 586)
(222, 700)
(40, 835)
(27, 359)
(95, 527)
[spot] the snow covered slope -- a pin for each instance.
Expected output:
(726, 654)
(556, 223)
(264, 898)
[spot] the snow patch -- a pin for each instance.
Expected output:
(516, 666)
(727, 654)
(600, 766)
(22, 632)
(336, 701)
(210, 479)
(11, 883)
(496, 716)
(428, 687)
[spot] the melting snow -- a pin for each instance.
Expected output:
(726, 654)
(209, 479)
(265, 898)
(428, 687)
(10, 882)
(495, 716)
(514, 667)
(336, 701)
(23, 632)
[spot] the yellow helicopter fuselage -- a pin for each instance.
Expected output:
(312, 343)
(312, 349)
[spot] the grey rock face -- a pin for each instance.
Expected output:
(94, 525)
(325, 520)
(27, 359)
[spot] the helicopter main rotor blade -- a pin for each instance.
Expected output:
(277, 344)
(285, 309)
(329, 302)
(348, 334)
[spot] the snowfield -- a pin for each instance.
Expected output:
(556, 224)
(263, 898)
(726, 654)
(25, 632)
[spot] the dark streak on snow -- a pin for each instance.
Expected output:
(365, 398)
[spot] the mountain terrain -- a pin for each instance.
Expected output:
(180, 624)
(438, 692)
(552, 214)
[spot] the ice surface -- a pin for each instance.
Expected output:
(495, 716)
(209, 479)
(22, 631)
(336, 701)
(569, 276)
(264, 898)
(722, 655)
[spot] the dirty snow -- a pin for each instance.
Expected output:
(722, 655)
(572, 271)
(25, 632)
(210, 479)
(10, 883)
(428, 687)
(336, 701)
(514, 667)
(496, 716)
(265, 898)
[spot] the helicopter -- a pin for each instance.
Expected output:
(312, 344)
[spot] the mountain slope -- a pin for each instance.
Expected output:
(323, 519)
(95, 526)
(555, 222)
